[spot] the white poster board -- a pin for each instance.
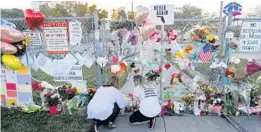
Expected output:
(162, 14)
(75, 30)
(75, 74)
(250, 37)
(56, 37)
(34, 36)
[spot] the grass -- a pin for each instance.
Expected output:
(16, 121)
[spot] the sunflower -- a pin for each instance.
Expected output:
(26, 41)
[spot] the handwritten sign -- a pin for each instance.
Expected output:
(56, 37)
(75, 30)
(75, 74)
(162, 14)
(250, 37)
(34, 36)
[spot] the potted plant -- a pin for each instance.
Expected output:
(52, 102)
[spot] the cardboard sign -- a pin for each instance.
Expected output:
(34, 36)
(56, 37)
(250, 37)
(162, 14)
(75, 30)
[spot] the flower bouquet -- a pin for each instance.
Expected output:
(188, 100)
(52, 102)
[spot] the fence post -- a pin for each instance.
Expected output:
(97, 47)
(161, 61)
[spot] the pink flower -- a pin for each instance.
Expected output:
(115, 59)
(155, 36)
(172, 35)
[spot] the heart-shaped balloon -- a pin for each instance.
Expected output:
(11, 35)
(146, 30)
(12, 62)
(34, 19)
(167, 66)
(7, 49)
(141, 15)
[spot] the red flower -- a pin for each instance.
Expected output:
(48, 95)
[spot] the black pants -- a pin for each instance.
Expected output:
(111, 118)
(138, 117)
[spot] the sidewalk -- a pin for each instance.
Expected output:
(187, 123)
(249, 124)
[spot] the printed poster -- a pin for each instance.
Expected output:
(75, 30)
(34, 36)
(56, 37)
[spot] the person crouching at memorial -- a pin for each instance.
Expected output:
(106, 104)
(146, 98)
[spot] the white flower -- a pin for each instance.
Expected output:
(222, 64)
(102, 61)
(237, 61)
(115, 68)
(213, 65)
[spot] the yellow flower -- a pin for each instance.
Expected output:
(26, 41)
(210, 37)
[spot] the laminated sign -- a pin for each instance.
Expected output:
(250, 37)
(162, 14)
(56, 37)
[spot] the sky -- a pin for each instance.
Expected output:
(211, 6)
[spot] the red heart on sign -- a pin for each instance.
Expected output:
(33, 19)
(160, 70)
(167, 66)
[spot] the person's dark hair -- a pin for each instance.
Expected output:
(113, 81)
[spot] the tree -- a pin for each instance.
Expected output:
(12, 13)
(119, 13)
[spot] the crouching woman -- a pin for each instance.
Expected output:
(106, 104)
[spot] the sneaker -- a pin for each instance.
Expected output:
(96, 128)
(152, 124)
(111, 125)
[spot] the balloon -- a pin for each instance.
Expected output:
(7, 49)
(10, 35)
(146, 30)
(21, 49)
(34, 19)
(141, 15)
(11, 62)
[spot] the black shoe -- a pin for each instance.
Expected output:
(152, 123)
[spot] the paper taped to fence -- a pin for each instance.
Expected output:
(56, 37)
(34, 36)
(250, 37)
(75, 30)
(75, 74)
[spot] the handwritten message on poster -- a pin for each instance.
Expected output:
(75, 74)
(75, 30)
(250, 37)
(56, 37)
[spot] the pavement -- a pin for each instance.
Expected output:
(248, 124)
(187, 123)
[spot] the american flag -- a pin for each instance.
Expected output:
(205, 54)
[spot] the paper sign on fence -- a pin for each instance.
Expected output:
(56, 37)
(75, 33)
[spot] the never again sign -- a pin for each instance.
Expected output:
(162, 14)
